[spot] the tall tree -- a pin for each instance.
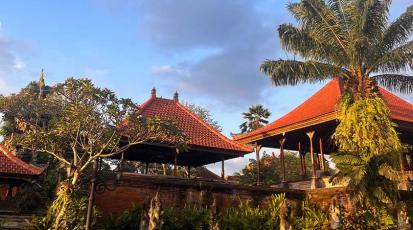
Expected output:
(77, 123)
(255, 118)
(354, 41)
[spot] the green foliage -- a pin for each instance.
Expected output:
(68, 211)
(204, 114)
(28, 198)
(245, 216)
(349, 39)
(127, 220)
(365, 218)
(311, 218)
(369, 149)
(188, 218)
(254, 118)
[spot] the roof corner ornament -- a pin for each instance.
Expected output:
(153, 92)
(176, 96)
(41, 84)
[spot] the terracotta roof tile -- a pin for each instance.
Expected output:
(12, 165)
(324, 102)
(200, 133)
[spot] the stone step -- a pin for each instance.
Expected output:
(13, 221)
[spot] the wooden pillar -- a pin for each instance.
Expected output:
(282, 160)
(322, 160)
(222, 170)
(403, 162)
(146, 167)
(176, 164)
(257, 153)
(189, 171)
(303, 169)
(313, 161)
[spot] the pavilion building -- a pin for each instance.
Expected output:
(206, 145)
(13, 173)
(309, 127)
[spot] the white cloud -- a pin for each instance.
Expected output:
(95, 74)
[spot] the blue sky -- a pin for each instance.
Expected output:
(208, 51)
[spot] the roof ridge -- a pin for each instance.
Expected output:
(146, 103)
(209, 127)
(33, 169)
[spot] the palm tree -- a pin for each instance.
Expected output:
(353, 40)
(255, 118)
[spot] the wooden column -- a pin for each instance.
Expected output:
(257, 153)
(282, 160)
(189, 171)
(176, 164)
(146, 167)
(313, 161)
(403, 162)
(303, 169)
(222, 170)
(322, 160)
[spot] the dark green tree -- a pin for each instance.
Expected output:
(254, 118)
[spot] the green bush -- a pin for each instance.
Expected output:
(311, 217)
(127, 220)
(245, 217)
(189, 218)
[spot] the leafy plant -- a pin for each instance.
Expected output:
(247, 217)
(190, 217)
(127, 220)
(311, 218)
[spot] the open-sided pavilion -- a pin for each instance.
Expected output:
(206, 145)
(309, 128)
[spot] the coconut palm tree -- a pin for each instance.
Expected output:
(352, 39)
(255, 118)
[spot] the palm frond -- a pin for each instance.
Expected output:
(398, 59)
(396, 82)
(321, 21)
(399, 31)
(299, 41)
(285, 72)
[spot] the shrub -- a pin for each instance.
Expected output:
(127, 220)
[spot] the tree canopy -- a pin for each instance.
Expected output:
(255, 118)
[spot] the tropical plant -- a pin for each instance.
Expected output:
(311, 217)
(245, 216)
(350, 39)
(255, 118)
(354, 41)
(127, 220)
(190, 217)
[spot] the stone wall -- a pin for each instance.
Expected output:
(116, 196)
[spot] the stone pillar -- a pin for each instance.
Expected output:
(282, 161)
(146, 167)
(403, 162)
(314, 179)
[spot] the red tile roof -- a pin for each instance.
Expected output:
(10, 165)
(324, 104)
(200, 133)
